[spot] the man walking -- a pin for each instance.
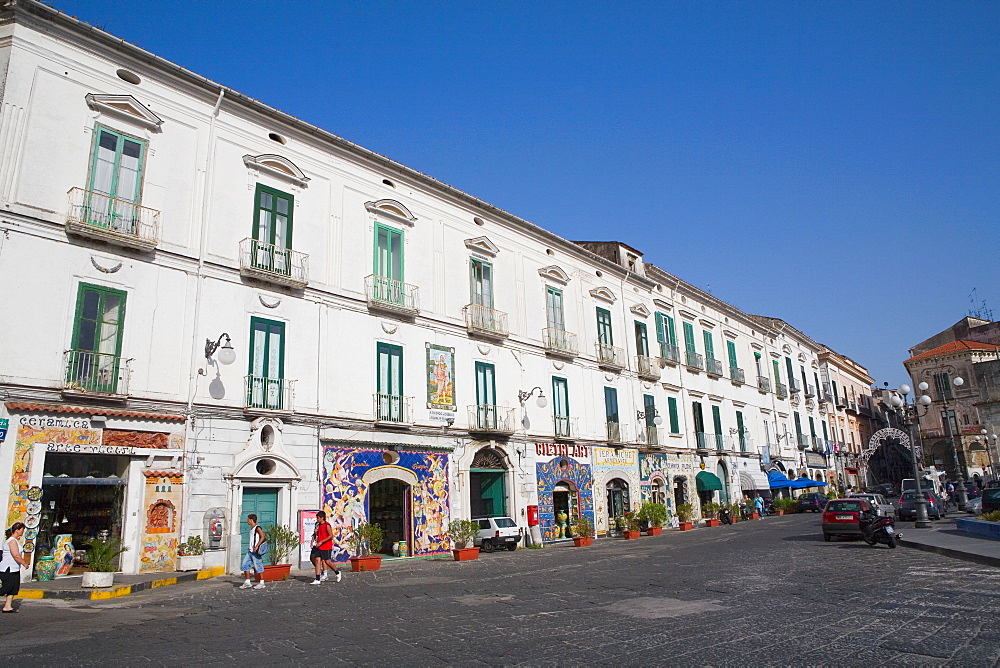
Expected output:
(758, 504)
(322, 548)
(254, 561)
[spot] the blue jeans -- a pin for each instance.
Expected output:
(252, 562)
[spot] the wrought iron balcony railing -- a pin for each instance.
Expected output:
(89, 372)
(802, 440)
(763, 383)
(116, 221)
(701, 440)
(694, 360)
(389, 294)
(713, 366)
(485, 321)
(274, 264)
(720, 442)
(559, 342)
(736, 375)
(392, 408)
(490, 419)
(609, 356)
(616, 432)
(565, 427)
(649, 435)
(647, 367)
(670, 354)
(270, 394)
(810, 391)
(793, 385)
(781, 390)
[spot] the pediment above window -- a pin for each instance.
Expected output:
(729, 334)
(276, 165)
(802, 357)
(707, 324)
(787, 349)
(640, 310)
(665, 305)
(688, 315)
(604, 295)
(124, 106)
(554, 273)
(391, 209)
(482, 245)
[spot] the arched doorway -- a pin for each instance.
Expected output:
(389, 507)
(618, 501)
(566, 506)
(680, 490)
(723, 475)
(658, 491)
(488, 484)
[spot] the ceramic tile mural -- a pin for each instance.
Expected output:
(345, 496)
(562, 470)
(161, 503)
(440, 377)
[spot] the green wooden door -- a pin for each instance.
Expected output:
(389, 382)
(115, 180)
(272, 230)
(265, 388)
(95, 359)
(263, 502)
(486, 396)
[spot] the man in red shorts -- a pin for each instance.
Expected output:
(322, 547)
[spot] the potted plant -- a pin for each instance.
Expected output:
(585, 531)
(101, 559)
(632, 530)
(463, 534)
(734, 511)
(654, 514)
(364, 539)
(281, 542)
(191, 554)
(711, 512)
(784, 505)
(685, 515)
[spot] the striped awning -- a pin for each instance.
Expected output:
(754, 479)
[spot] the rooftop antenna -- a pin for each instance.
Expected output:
(979, 309)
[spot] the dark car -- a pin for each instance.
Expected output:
(907, 508)
(991, 499)
(840, 517)
(813, 501)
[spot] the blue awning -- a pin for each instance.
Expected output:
(803, 483)
(778, 480)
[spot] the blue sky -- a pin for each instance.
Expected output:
(833, 164)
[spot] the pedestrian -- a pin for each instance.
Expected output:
(322, 548)
(253, 563)
(758, 504)
(10, 566)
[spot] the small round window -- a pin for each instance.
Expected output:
(266, 466)
(130, 77)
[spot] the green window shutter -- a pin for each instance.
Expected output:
(272, 217)
(482, 283)
(672, 336)
(674, 421)
(699, 419)
(812, 427)
(389, 382)
(826, 434)
(641, 340)
(486, 387)
(836, 397)
(777, 372)
(388, 253)
(649, 408)
(554, 308)
(611, 404)
(798, 424)
(790, 370)
(95, 359)
(265, 387)
(116, 166)
(661, 328)
(740, 431)
(731, 349)
(689, 337)
(819, 388)
(709, 345)
(604, 334)
(717, 419)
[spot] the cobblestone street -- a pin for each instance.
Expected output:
(768, 592)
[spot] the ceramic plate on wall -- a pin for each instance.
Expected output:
(34, 494)
(31, 534)
(28, 548)
(34, 507)
(31, 522)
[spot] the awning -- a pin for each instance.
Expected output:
(707, 482)
(778, 480)
(754, 478)
(803, 483)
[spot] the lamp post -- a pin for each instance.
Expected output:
(963, 496)
(523, 396)
(989, 452)
(907, 419)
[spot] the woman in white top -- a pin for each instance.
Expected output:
(10, 566)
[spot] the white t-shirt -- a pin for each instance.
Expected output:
(8, 563)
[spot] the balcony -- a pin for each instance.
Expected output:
(647, 367)
(841, 402)
(794, 386)
(559, 342)
(713, 367)
(827, 398)
(810, 391)
(818, 444)
(852, 407)
(720, 442)
(114, 221)
(670, 354)
(610, 357)
(693, 360)
(387, 294)
(392, 410)
(781, 390)
(269, 394)
(701, 441)
(274, 264)
(737, 376)
(490, 419)
(485, 321)
(649, 435)
(565, 427)
(803, 441)
(91, 373)
(763, 383)
(616, 432)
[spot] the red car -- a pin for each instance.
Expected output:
(840, 517)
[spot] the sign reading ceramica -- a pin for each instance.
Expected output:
(625, 457)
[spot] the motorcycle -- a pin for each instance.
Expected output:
(725, 516)
(875, 530)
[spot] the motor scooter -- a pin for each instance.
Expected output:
(876, 529)
(725, 515)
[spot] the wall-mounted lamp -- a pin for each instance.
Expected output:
(523, 396)
(226, 353)
(657, 420)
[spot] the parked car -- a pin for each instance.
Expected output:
(884, 508)
(991, 499)
(907, 509)
(974, 506)
(813, 501)
(887, 489)
(497, 532)
(840, 517)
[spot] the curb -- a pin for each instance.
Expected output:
(120, 590)
(955, 554)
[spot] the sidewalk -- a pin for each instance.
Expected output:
(944, 538)
(124, 585)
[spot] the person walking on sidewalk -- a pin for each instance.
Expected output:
(10, 566)
(253, 563)
(322, 548)
(758, 504)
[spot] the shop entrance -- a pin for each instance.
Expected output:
(83, 498)
(618, 501)
(680, 490)
(565, 505)
(389, 507)
(264, 502)
(488, 484)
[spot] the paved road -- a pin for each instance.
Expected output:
(758, 593)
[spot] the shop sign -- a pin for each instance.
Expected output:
(611, 457)
(815, 460)
(48, 422)
(86, 449)
(3, 428)
(561, 450)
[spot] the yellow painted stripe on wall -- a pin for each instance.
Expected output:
(114, 593)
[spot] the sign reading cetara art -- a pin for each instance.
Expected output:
(626, 457)
(89, 449)
(561, 450)
(440, 377)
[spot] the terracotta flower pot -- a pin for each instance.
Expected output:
(463, 554)
(711, 522)
(686, 526)
(276, 572)
(631, 535)
(583, 541)
(780, 513)
(370, 563)
(755, 516)
(654, 531)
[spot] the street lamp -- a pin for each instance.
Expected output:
(523, 396)
(963, 496)
(984, 444)
(226, 353)
(906, 413)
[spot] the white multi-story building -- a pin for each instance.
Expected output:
(214, 308)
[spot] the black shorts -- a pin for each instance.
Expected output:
(10, 583)
(322, 554)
